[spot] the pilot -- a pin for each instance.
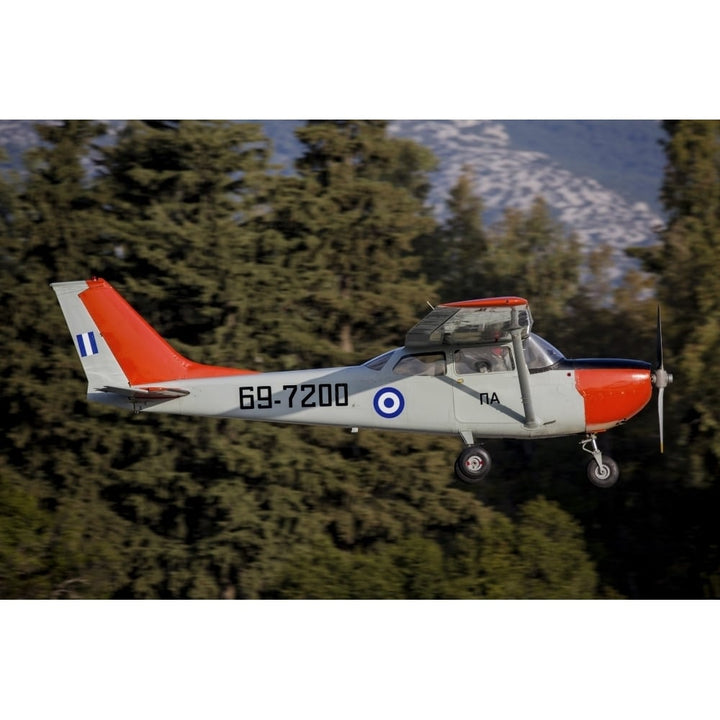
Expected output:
(495, 359)
(483, 360)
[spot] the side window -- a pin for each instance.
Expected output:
(496, 358)
(428, 364)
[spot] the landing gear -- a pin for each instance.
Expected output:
(473, 464)
(602, 470)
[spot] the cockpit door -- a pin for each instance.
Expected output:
(486, 389)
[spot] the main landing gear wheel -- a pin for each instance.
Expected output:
(473, 464)
(604, 475)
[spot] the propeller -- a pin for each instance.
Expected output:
(660, 378)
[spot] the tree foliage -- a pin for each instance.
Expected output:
(687, 261)
(526, 253)
(238, 265)
(360, 212)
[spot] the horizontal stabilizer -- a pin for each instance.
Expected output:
(146, 393)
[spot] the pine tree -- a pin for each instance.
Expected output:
(53, 444)
(687, 262)
(455, 255)
(526, 253)
(360, 214)
(184, 199)
(180, 198)
(533, 255)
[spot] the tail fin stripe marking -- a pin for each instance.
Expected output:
(86, 344)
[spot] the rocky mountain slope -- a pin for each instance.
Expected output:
(612, 212)
(601, 178)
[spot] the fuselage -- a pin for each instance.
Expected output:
(452, 390)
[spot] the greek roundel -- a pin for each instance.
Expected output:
(388, 402)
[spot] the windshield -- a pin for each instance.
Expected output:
(539, 353)
(378, 363)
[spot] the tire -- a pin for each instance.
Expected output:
(606, 476)
(473, 464)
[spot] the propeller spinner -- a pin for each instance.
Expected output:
(660, 378)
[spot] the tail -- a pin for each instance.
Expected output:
(121, 354)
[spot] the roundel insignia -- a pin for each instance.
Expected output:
(388, 402)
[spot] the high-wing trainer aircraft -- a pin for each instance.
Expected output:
(473, 369)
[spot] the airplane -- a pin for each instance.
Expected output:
(473, 369)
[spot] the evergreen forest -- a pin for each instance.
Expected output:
(238, 262)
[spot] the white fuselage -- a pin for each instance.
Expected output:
(484, 404)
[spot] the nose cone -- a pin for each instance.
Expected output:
(613, 390)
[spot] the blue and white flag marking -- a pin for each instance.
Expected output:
(86, 344)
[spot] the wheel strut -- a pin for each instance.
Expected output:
(594, 451)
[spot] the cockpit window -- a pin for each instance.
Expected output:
(427, 364)
(539, 353)
(495, 358)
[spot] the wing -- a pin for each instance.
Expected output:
(471, 322)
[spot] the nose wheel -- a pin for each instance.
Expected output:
(473, 464)
(602, 470)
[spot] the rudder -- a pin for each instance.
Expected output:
(116, 346)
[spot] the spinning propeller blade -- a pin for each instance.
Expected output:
(660, 418)
(661, 378)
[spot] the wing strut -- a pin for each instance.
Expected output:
(531, 420)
